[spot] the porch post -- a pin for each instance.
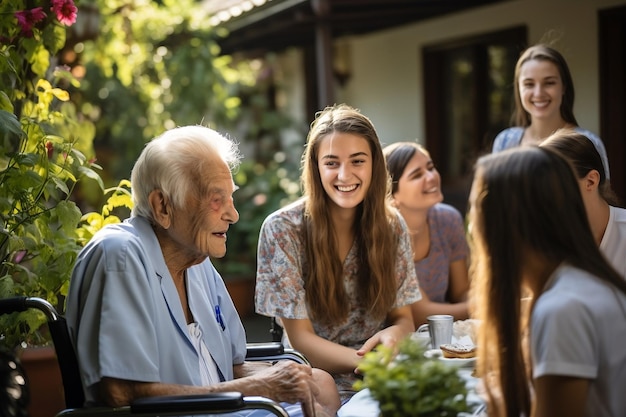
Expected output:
(323, 54)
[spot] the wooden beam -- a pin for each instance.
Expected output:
(323, 54)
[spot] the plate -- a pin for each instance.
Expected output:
(433, 353)
(459, 362)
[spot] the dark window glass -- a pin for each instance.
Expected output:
(469, 99)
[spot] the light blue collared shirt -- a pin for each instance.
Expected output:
(125, 318)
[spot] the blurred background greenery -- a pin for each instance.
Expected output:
(147, 66)
(78, 102)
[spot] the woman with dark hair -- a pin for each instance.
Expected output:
(336, 267)
(553, 309)
(544, 102)
(608, 222)
(440, 251)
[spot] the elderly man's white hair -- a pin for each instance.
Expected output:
(175, 161)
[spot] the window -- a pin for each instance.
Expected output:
(469, 99)
(612, 32)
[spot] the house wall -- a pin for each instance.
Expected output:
(291, 100)
(386, 82)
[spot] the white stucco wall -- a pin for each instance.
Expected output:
(291, 98)
(387, 70)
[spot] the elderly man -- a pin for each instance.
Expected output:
(148, 313)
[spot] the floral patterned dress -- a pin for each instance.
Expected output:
(281, 270)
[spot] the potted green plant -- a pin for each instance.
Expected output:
(407, 384)
(45, 151)
(39, 168)
(40, 164)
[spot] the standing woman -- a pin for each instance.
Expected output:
(553, 309)
(437, 232)
(544, 102)
(608, 222)
(336, 267)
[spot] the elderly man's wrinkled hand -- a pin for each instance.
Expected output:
(292, 383)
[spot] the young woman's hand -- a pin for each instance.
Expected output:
(401, 326)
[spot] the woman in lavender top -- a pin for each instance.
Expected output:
(437, 232)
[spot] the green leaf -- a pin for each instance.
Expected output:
(40, 60)
(9, 122)
(59, 184)
(68, 215)
(90, 173)
(6, 287)
(5, 103)
(54, 37)
(66, 74)
(119, 200)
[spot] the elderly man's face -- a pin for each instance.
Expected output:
(201, 226)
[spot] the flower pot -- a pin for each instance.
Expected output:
(242, 293)
(44, 381)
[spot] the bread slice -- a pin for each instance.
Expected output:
(456, 350)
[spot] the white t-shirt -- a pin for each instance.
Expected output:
(578, 329)
(613, 243)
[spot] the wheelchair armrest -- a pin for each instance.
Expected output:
(13, 304)
(263, 349)
(22, 303)
(295, 356)
(215, 402)
(177, 405)
(273, 351)
(218, 402)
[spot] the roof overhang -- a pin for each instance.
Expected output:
(273, 25)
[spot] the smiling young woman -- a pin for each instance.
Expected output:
(440, 250)
(544, 102)
(336, 267)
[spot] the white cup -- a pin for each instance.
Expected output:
(422, 338)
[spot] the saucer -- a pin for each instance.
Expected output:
(433, 353)
(459, 362)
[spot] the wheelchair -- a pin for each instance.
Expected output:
(214, 403)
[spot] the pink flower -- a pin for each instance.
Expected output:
(19, 256)
(29, 18)
(65, 11)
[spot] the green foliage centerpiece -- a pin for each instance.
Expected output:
(407, 384)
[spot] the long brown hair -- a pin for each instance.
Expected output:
(522, 199)
(583, 156)
(376, 227)
(542, 52)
